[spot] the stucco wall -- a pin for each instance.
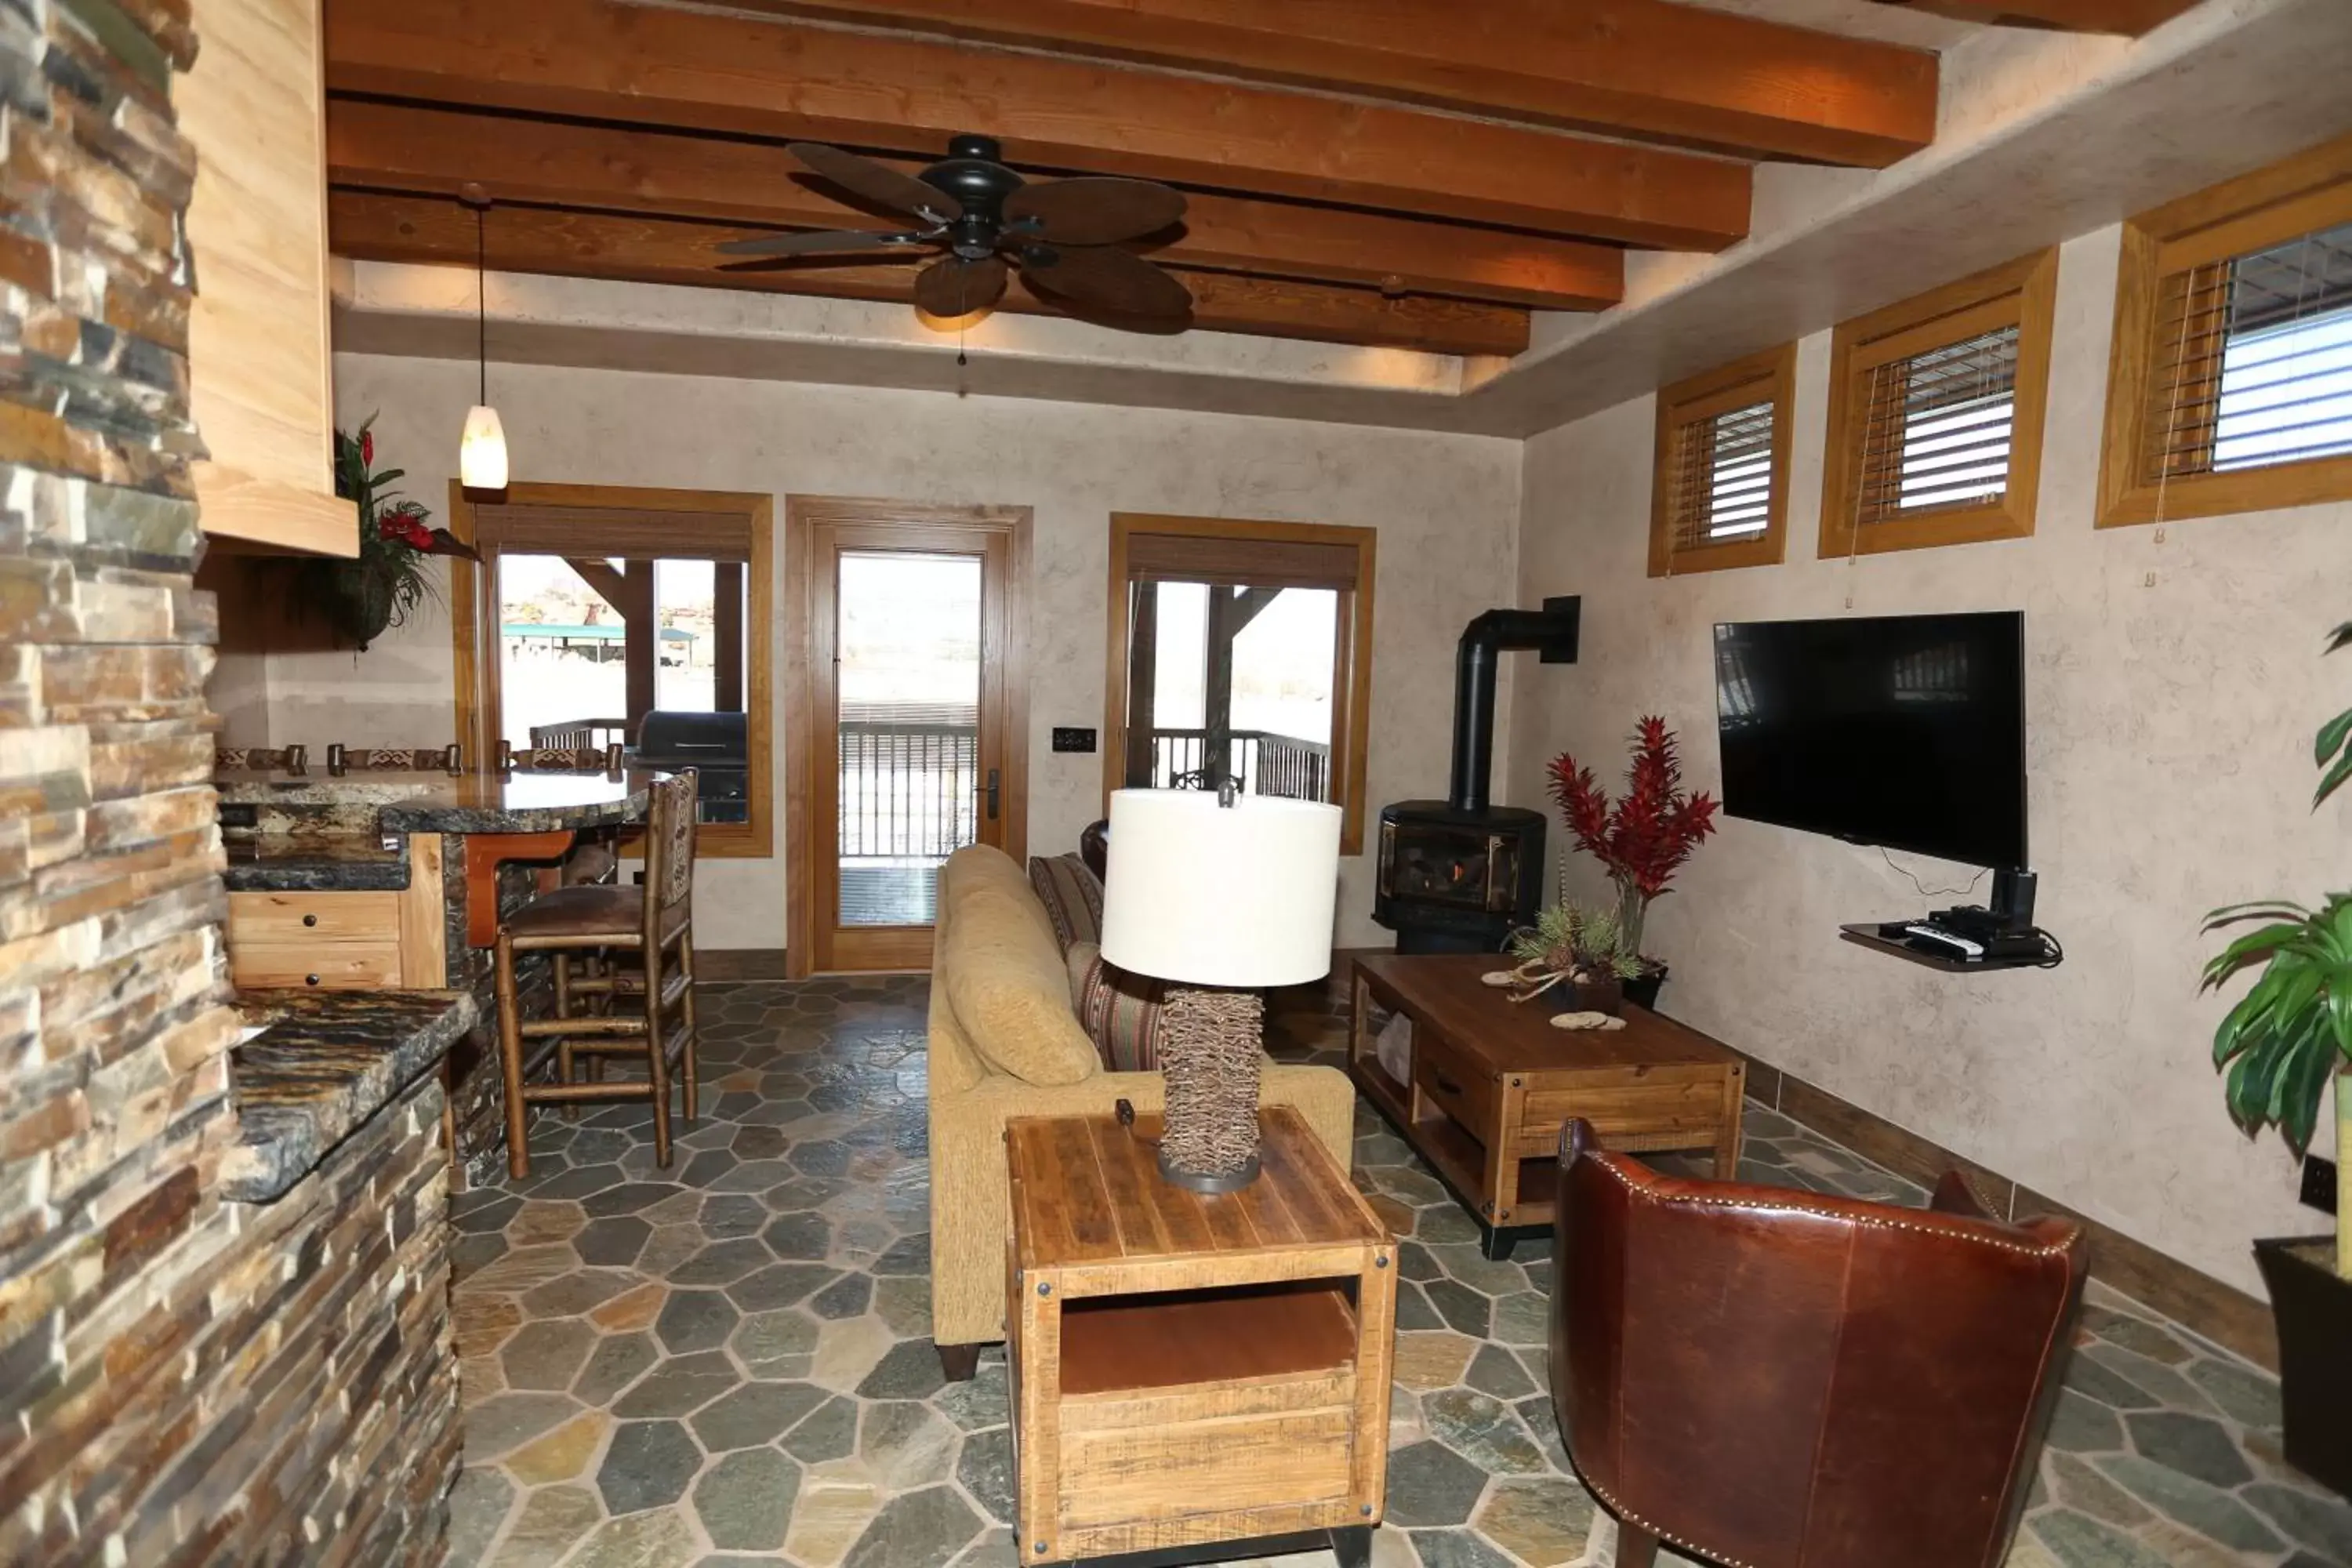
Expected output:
(2168, 746)
(1446, 507)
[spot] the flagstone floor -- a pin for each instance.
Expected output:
(727, 1363)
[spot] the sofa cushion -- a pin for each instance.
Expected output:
(1072, 897)
(1005, 979)
(1121, 1012)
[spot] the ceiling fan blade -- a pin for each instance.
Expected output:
(1105, 278)
(817, 243)
(954, 287)
(877, 182)
(1094, 209)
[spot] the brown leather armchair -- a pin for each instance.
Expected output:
(1771, 1378)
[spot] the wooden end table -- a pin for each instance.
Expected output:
(1491, 1083)
(1193, 1371)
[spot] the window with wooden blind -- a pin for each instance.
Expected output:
(1720, 491)
(1240, 650)
(1936, 412)
(594, 606)
(2231, 387)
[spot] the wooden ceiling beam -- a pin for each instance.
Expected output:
(407, 147)
(712, 71)
(2130, 16)
(384, 227)
(1639, 67)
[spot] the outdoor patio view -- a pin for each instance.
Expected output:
(1235, 681)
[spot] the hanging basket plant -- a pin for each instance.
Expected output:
(381, 586)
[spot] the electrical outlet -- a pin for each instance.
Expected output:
(2319, 1183)
(1069, 738)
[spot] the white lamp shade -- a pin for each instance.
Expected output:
(482, 450)
(1215, 895)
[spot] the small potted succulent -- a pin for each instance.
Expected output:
(385, 581)
(1642, 838)
(2285, 1043)
(1579, 954)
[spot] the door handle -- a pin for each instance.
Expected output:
(992, 780)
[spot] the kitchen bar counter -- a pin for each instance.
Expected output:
(325, 1062)
(365, 802)
(292, 863)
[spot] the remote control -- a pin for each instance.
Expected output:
(1960, 945)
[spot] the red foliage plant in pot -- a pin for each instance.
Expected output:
(1642, 838)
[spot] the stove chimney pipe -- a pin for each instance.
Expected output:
(1551, 632)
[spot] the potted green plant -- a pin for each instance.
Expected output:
(384, 583)
(1577, 953)
(2288, 1040)
(1642, 839)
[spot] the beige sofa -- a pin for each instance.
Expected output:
(1000, 1002)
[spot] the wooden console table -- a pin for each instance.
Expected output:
(1190, 1370)
(1491, 1083)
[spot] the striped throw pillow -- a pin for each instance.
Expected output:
(1072, 897)
(1120, 1013)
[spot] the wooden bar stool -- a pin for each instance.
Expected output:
(653, 923)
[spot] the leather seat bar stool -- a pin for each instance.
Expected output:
(652, 923)
(1778, 1379)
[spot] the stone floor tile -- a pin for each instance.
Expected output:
(547, 1355)
(924, 1529)
(1483, 1429)
(614, 1365)
(550, 1520)
(906, 1445)
(560, 1456)
(1456, 1549)
(658, 1539)
(754, 1414)
(478, 1506)
(678, 1386)
(1429, 1484)
(1495, 1371)
(2189, 1502)
(832, 1510)
(647, 1464)
(695, 1320)
(984, 1468)
(830, 1432)
(1542, 1523)
(2193, 1445)
(506, 1420)
(745, 1501)
(2322, 1524)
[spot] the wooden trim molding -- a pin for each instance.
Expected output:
(1767, 378)
(2022, 293)
(1352, 690)
(474, 634)
(2163, 250)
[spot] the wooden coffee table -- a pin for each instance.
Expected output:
(1491, 1083)
(1194, 1371)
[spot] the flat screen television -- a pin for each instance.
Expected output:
(1902, 731)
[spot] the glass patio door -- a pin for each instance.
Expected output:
(907, 736)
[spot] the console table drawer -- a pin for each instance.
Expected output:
(1453, 1083)
(1658, 1109)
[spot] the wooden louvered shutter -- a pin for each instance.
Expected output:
(1936, 415)
(1721, 489)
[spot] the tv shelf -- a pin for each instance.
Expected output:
(1866, 935)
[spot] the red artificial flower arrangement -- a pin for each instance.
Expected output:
(1643, 838)
(383, 582)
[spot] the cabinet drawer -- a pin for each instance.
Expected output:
(329, 965)
(1453, 1083)
(302, 919)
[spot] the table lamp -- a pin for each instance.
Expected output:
(1220, 895)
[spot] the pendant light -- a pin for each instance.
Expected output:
(482, 449)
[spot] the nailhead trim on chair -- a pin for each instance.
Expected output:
(1651, 1196)
(1668, 1536)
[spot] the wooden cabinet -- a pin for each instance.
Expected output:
(353, 941)
(259, 356)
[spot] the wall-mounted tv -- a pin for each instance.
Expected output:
(1902, 731)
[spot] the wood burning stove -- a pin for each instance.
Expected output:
(1457, 875)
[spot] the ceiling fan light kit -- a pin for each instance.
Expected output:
(1066, 237)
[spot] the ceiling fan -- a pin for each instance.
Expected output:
(1064, 234)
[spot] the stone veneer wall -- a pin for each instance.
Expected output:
(182, 1380)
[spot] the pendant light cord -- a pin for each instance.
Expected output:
(482, 298)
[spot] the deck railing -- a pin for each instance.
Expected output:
(580, 734)
(908, 790)
(1260, 760)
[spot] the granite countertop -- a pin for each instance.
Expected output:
(289, 863)
(323, 1064)
(478, 800)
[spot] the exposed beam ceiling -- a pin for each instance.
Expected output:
(2131, 16)
(709, 71)
(384, 227)
(1640, 67)
(408, 147)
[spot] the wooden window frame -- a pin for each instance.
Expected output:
(2023, 294)
(2298, 196)
(474, 636)
(1351, 689)
(1767, 378)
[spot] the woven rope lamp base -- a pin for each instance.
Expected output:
(1210, 1058)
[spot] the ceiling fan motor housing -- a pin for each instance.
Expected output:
(973, 174)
